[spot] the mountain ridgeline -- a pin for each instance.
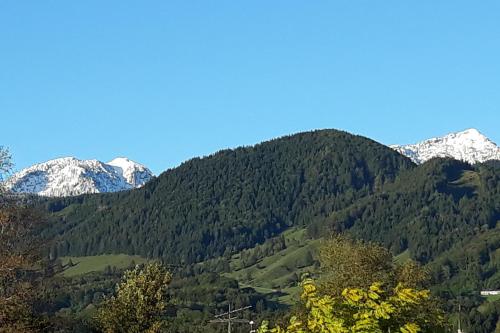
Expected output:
(469, 145)
(228, 201)
(69, 176)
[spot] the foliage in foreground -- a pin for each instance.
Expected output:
(139, 303)
(360, 310)
(22, 271)
(350, 263)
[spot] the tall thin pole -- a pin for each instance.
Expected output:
(229, 319)
(221, 318)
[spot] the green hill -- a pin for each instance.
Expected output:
(226, 202)
(75, 266)
(279, 273)
(325, 181)
(445, 213)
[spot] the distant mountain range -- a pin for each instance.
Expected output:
(69, 176)
(470, 146)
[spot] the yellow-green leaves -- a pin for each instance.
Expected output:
(139, 302)
(355, 311)
(408, 295)
(410, 328)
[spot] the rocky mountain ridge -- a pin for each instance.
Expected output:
(69, 176)
(470, 146)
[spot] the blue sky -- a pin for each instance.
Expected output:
(163, 81)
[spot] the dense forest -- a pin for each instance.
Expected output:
(228, 201)
(438, 209)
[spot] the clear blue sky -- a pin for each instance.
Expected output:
(163, 81)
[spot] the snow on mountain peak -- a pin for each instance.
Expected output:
(69, 176)
(469, 145)
(136, 174)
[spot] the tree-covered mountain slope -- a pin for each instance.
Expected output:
(444, 212)
(231, 200)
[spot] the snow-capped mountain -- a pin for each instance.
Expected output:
(469, 145)
(69, 176)
(134, 173)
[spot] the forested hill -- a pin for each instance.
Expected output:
(231, 200)
(444, 212)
